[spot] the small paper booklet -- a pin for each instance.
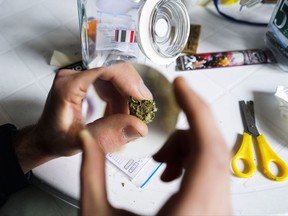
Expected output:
(138, 171)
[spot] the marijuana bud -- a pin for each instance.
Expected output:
(143, 109)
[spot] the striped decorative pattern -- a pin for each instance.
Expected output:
(127, 36)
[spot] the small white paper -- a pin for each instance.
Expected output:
(138, 171)
(282, 96)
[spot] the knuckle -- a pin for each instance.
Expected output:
(110, 143)
(127, 65)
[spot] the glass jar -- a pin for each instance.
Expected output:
(113, 30)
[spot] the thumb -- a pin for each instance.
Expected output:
(112, 132)
(93, 187)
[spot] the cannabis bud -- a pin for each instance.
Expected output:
(143, 109)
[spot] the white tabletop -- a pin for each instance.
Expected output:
(30, 30)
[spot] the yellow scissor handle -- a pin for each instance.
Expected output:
(244, 154)
(268, 155)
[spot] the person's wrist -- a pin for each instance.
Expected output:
(28, 150)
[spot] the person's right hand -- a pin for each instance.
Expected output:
(203, 155)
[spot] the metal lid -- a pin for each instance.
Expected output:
(163, 30)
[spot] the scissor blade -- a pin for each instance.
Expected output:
(250, 108)
(247, 111)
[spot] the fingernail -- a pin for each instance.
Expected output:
(130, 133)
(144, 91)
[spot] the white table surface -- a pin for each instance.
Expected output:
(30, 30)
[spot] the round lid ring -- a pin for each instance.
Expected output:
(163, 30)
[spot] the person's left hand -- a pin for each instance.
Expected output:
(56, 133)
(94, 199)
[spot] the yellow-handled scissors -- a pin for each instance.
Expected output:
(245, 153)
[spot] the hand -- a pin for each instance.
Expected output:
(93, 184)
(56, 133)
(201, 151)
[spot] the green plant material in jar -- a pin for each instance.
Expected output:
(142, 109)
